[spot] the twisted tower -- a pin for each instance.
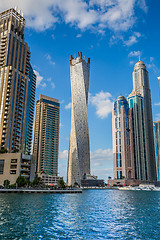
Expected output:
(79, 150)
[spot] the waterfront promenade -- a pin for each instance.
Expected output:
(62, 191)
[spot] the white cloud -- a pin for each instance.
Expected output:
(157, 117)
(103, 103)
(102, 163)
(53, 85)
(102, 155)
(132, 39)
(79, 35)
(117, 15)
(48, 57)
(135, 54)
(39, 80)
(131, 62)
(142, 5)
(63, 155)
(53, 37)
(157, 104)
(68, 106)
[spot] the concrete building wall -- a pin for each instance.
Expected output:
(46, 135)
(17, 85)
(79, 149)
(14, 164)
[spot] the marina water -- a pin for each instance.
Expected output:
(94, 214)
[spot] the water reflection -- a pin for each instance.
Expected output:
(95, 214)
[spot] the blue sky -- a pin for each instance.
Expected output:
(113, 34)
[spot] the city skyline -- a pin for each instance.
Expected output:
(111, 51)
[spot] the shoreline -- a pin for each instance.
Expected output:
(61, 191)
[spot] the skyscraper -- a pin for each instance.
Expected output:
(79, 150)
(17, 84)
(46, 135)
(140, 104)
(123, 156)
(135, 101)
(157, 146)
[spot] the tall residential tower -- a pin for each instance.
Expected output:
(143, 123)
(79, 150)
(46, 135)
(17, 84)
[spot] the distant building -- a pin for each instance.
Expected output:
(123, 156)
(46, 136)
(157, 146)
(17, 84)
(14, 164)
(79, 149)
(90, 181)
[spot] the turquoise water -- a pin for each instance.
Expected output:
(94, 214)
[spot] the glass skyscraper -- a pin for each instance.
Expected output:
(133, 131)
(17, 84)
(123, 158)
(142, 124)
(46, 135)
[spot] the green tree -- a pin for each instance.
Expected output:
(15, 150)
(21, 181)
(37, 182)
(6, 183)
(3, 150)
(61, 183)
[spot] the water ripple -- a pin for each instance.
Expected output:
(94, 214)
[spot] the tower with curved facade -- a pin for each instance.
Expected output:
(79, 150)
(141, 109)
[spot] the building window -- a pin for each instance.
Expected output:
(119, 174)
(13, 166)
(12, 171)
(1, 166)
(13, 160)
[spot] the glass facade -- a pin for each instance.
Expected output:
(121, 116)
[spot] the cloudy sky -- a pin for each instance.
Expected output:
(113, 33)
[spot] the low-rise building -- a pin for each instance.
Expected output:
(13, 165)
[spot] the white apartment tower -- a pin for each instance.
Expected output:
(79, 150)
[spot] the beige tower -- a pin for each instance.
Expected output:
(79, 150)
(46, 135)
(17, 85)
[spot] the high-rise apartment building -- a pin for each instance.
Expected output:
(143, 123)
(46, 135)
(133, 139)
(135, 101)
(79, 150)
(157, 146)
(123, 156)
(17, 84)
